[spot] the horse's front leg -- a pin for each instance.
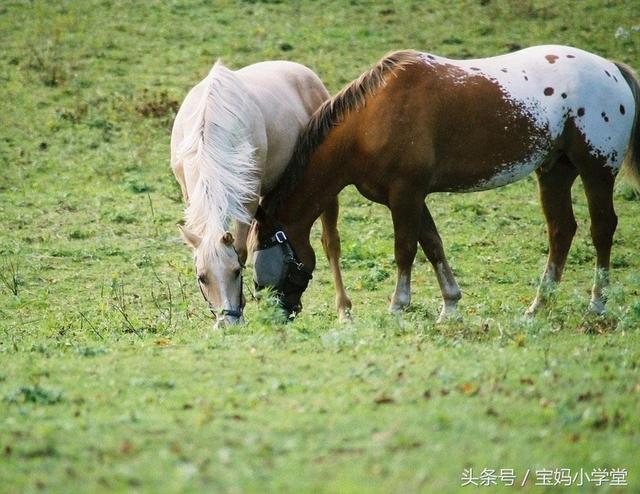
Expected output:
(431, 244)
(240, 241)
(242, 235)
(405, 208)
(331, 246)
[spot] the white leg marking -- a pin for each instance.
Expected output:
(402, 294)
(600, 282)
(546, 288)
(450, 292)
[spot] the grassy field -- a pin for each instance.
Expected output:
(111, 378)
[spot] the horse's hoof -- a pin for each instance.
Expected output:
(397, 309)
(533, 309)
(398, 305)
(449, 316)
(345, 316)
(343, 306)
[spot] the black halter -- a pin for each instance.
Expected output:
(295, 277)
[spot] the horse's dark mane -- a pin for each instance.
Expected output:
(330, 114)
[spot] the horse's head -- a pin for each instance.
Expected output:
(276, 264)
(219, 274)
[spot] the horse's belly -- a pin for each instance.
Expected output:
(477, 178)
(506, 174)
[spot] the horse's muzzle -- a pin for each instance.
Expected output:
(224, 320)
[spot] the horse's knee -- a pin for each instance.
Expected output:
(565, 231)
(405, 254)
(605, 226)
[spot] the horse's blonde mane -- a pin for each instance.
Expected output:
(330, 114)
(218, 143)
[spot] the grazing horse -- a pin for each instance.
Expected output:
(231, 141)
(418, 123)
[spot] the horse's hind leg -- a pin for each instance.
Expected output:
(555, 196)
(431, 244)
(598, 185)
(331, 246)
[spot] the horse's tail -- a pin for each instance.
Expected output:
(631, 165)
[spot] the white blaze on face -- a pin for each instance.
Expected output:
(219, 269)
(552, 84)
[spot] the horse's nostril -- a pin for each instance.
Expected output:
(228, 321)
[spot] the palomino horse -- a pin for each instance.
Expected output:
(231, 141)
(418, 123)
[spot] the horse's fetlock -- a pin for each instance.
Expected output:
(454, 295)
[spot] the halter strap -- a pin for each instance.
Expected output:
(231, 312)
(296, 276)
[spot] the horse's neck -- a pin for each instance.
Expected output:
(325, 176)
(250, 104)
(225, 176)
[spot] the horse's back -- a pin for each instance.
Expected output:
(557, 85)
(479, 124)
(284, 79)
(283, 95)
(287, 94)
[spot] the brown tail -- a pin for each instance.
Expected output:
(631, 165)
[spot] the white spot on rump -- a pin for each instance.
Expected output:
(551, 83)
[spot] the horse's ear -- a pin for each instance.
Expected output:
(190, 238)
(227, 238)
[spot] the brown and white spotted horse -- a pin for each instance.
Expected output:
(418, 123)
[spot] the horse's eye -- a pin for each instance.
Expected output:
(202, 278)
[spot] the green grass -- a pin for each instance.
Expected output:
(111, 378)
